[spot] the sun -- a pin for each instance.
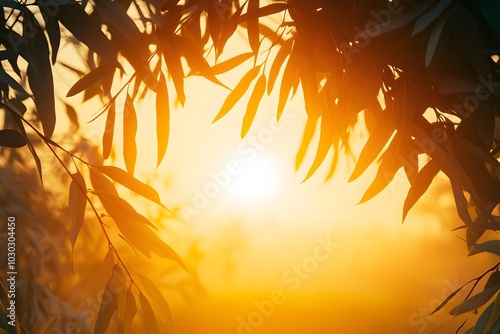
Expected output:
(258, 181)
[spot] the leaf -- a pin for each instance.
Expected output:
(100, 182)
(290, 77)
(86, 30)
(90, 78)
(107, 309)
(130, 312)
(475, 302)
(231, 63)
(447, 299)
(20, 126)
(237, 92)
(253, 25)
(129, 133)
(174, 65)
(253, 104)
(51, 26)
(309, 131)
(264, 11)
(118, 207)
(11, 138)
(493, 280)
(49, 325)
(283, 52)
(381, 133)
(492, 246)
(159, 301)
(425, 20)
(130, 182)
(195, 58)
(420, 185)
(11, 82)
(104, 273)
(162, 118)
(39, 72)
(228, 30)
(482, 321)
(433, 43)
(107, 137)
(387, 170)
(77, 204)
(149, 316)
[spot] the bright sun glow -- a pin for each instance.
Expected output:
(257, 181)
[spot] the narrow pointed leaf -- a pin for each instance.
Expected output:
(90, 78)
(174, 65)
(283, 52)
(129, 133)
(383, 130)
(162, 118)
(77, 204)
(237, 92)
(231, 63)
(253, 25)
(264, 11)
(290, 78)
(253, 104)
(130, 182)
(482, 321)
(475, 302)
(107, 137)
(107, 308)
(149, 316)
(422, 182)
(159, 301)
(309, 131)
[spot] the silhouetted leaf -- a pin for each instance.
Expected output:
(127, 180)
(493, 280)
(73, 16)
(492, 246)
(10, 81)
(49, 325)
(109, 130)
(309, 130)
(195, 59)
(90, 78)
(482, 321)
(264, 11)
(383, 130)
(475, 301)
(253, 104)
(326, 139)
(11, 138)
(174, 65)
(237, 92)
(104, 273)
(162, 118)
(231, 63)
(129, 133)
(77, 204)
(130, 312)
(161, 305)
(420, 185)
(100, 182)
(228, 30)
(107, 308)
(290, 78)
(434, 39)
(425, 20)
(253, 25)
(118, 207)
(149, 316)
(283, 52)
(447, 299)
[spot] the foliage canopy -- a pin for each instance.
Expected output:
(424, 73)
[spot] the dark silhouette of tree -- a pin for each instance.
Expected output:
(425, 74)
